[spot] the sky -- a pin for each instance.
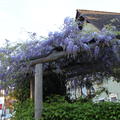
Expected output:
(17, 17)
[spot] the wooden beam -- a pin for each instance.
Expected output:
(80, 69)
(38, 91)
(50, 58)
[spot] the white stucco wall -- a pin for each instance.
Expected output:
(112, 86)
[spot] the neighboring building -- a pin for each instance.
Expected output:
(2, 101)
(5, 102)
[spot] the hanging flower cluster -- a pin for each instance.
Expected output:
(102, 45)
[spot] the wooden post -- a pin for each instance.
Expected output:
(80, 89)
(31, 89)
(88, 92)
(38, 91)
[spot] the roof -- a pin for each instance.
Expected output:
(99, 18)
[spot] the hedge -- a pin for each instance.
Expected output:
(81, 111)
(59, 109)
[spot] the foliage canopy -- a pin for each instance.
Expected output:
(82, 47)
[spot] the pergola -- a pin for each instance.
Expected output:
(39, 80)
(77, 70)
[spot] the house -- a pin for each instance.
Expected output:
(94, 21)
(107, 90)
(111, 93)
(98, 19)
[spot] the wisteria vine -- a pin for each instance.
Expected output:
(102, 46)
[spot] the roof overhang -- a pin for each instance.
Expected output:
(99, 18)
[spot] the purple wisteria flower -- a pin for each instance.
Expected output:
(70, 38)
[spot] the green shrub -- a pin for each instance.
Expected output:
(24, 110)
(57, 108)
(81, 111)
